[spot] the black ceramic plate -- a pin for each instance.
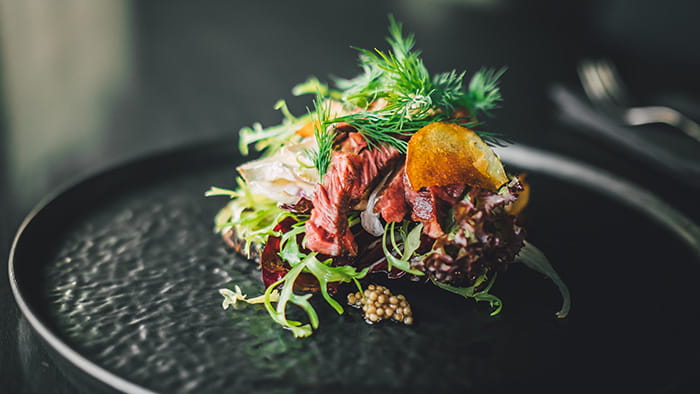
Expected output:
(119, 275)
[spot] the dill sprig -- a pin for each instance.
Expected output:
(321, 156)
(413, 99)
(484, 94)
(392, 98)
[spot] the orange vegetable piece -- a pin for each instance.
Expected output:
(442, 154)
(518, 205)
(307, 130)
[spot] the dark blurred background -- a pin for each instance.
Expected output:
(87, 84)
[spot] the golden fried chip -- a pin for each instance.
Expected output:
(443, 154)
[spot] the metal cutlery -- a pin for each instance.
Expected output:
(604, 87)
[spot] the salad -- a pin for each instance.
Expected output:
(390, 173)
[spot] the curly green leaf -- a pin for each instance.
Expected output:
(470, 292)
(533, 258)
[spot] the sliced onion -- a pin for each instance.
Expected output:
(370, 219)
(284, 176)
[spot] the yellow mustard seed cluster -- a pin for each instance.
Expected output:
(378, 304)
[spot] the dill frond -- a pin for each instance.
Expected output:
(391, 98)
(321, 156)
(484, 94)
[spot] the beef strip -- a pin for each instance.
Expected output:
(349, 178)
(391, 203)
(430, 204)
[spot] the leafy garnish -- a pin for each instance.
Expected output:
(412, 98)
(410, 241)
(279, 313)
(232, 297)
(533, 258)
(484, 94)
(271, 139)
(312, 86)
(321, 157)
(323, 271)
(325, 274)
(471, 292)
(252, 216)
(393, 97)
(289, 248)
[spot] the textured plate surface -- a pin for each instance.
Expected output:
(119, 273)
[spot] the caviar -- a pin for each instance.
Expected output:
(378, 303)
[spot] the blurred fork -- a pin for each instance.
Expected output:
(604, 87)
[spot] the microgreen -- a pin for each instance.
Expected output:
(325, 274)
(252, 216)
(323, 271)
(392, 98)
(289, 248)
(533, 258)
(484, 94)
(232, 297)
(405, 248)
(269, 140)
(286, 295)
(471, 292)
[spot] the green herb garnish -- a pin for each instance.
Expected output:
(321, 157)
(410, 241)
(269, 140)
(252, 216)
(323, 271)
(392, 98)
(472, 292)
(325, 274)
(534, 259)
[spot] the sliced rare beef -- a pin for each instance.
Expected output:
(429, 205)
(349, 178)
(352, 143)
(391, 203)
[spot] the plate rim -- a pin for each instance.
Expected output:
(549, 163)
